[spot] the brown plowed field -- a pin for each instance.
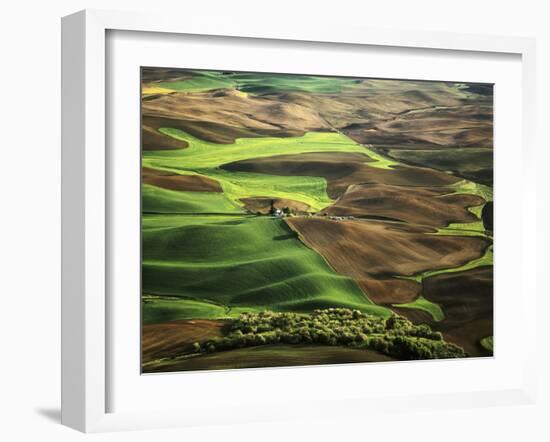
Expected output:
(172, 338)
(221, 116)
(430, 206)
(189, 183)
(467, 300)
(367, 250)
(342, 170)
(270, 356)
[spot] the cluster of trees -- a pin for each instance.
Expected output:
(395, 336)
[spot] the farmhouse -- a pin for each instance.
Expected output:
(274, 211)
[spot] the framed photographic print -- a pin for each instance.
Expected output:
(299, 220)
(251, 214)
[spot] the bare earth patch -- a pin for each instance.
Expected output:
(152, 139)
(221, 116)
(457, 126)
(411, 113)
(270, 356)
(189, 183)
(467, 300)
(391, 290)
(172, 338)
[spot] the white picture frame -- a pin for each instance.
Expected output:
(85, 310)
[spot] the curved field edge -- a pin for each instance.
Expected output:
(425, 305)
(205, 154)
(158, 200)
(202, 81)
(205, 158)
(238, 262)
(435, 309)
(157, 309)
(281, 355)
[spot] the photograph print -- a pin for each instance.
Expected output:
(292, 220)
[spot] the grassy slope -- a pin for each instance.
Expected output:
(158, 200)
(253, 262)
(159, 309)
(253, 83)
(204, 154)
(237, 185)
(472, 188)
(423, 304)
(204, 158)
(475, 228)
(265, 83)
